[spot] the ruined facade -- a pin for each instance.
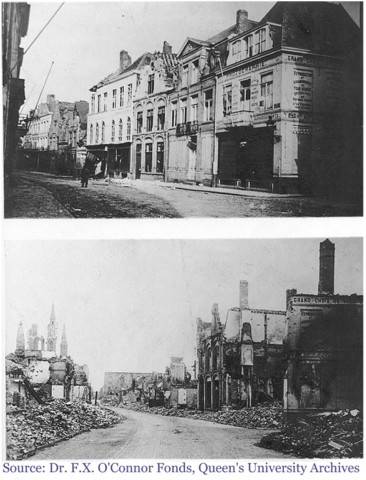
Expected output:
(240, 362)
(323, 345)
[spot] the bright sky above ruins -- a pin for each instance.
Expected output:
(85, 38)
(129, 305)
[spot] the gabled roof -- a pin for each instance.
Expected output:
(194, 42)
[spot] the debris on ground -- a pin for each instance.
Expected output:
(39, 426)
(265, 415)
(324, 435)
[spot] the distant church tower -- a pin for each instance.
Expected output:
(20, 344)
(63, 346)
(52, 332)
(326, 268)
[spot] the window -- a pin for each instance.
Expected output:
(194, 109)
(161, 117)
(150, 84)
(244, 94)
(148, 157)
(129, 93)
(92, 107)
(120, 130)
(114, 98)
(128, 129)
(208, 106)
(183, 111)
(194, 73)
(174, 114)
(248, 45)
(138, 157)
(185, 76)
(227, 99)
(97, 133)
(121, 96)
(236, 47)
(160, 157)
(139, 122)
(103, 131)
(105, 101)
(113, 131)
(149, 120)
(267, 90)
(262, 40)
(257, 43)
(99, 105)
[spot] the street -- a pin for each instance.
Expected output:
(144, 435)
(41, 195)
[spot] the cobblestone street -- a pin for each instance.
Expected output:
(40, 195)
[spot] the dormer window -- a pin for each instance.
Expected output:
(194, 75)
(236, 47)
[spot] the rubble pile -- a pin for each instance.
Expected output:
(39, 426)
(325, 435)
(265, 415)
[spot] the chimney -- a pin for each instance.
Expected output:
(50, 98)
(167, 49)
(243, 295)
(241, 21)
(326, 268)
(124, 60)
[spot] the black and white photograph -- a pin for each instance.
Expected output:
(193, 349)
(182, 109)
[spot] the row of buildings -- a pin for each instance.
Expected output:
(56, 136)
(39, 369)
(308, 356)
(273, 104)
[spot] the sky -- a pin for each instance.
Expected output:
(85, 38)
(128, 305)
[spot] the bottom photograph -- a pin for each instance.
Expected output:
(184, 349)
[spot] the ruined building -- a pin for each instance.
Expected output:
(240, 361)
(323, 345)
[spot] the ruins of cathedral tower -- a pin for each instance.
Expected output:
(20, 343)
(52, 332)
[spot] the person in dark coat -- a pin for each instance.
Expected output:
(85, 172)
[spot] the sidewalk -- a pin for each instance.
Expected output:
(201, 188)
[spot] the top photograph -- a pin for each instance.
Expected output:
(182, 109)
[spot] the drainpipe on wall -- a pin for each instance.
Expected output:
(167, 157)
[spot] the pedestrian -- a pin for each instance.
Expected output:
(85, 176)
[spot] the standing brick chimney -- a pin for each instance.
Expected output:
(167, 49)
(326, 268)
(241, 21)
(243, 294)
(124, 60)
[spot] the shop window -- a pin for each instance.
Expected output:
(160, 157)
(148, 157)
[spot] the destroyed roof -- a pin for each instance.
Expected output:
(122, 73)
(169, 59)
(82, 107)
